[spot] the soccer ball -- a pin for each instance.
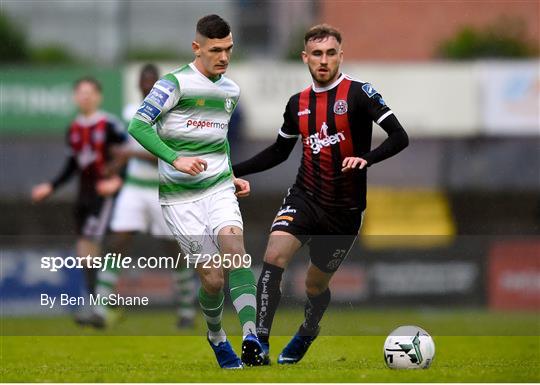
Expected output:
(409, 347)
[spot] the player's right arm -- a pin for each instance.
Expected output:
(163, 97)
(275, 154)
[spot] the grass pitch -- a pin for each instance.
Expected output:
(488, 349)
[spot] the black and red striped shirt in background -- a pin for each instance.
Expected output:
(334, 122)
(89, 140)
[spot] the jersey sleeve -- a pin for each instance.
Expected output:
(116, 130)
(162, 98)
(289, 128)
(374, 103)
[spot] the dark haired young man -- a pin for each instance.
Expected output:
(191, 108)
(90, 138)
(334, 118)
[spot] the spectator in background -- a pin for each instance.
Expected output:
(90, 139)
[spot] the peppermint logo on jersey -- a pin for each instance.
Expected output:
(319, 140)
(207, 124)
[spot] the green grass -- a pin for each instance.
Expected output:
(120, 355)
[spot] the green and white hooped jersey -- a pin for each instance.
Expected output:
(192, 114)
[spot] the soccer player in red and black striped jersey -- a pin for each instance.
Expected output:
(334, 119)
(89, 138)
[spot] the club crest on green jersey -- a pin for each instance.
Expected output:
(229, 105)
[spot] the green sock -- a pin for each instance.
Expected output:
(212, 307)
(243, 290)
(185, 287)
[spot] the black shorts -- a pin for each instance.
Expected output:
(92, 217)
(329, 233)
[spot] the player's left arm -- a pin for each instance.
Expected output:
(396, 141)
(114, 173)
(116, 140)
(381, 114)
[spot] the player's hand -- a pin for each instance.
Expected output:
(109, 186)
(351, 163)
(190, 165)
(242, 187)
(41, 191)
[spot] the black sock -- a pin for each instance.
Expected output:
(268, 296)
(91, 280)
(314, 311)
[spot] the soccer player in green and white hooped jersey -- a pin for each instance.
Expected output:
(191, 108)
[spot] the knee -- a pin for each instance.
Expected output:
(231, 241)
(315, 288)
(274, 257)
(233, 246)
(213, 284)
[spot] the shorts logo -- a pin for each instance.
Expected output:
(284, 218)
(307, 111)
(340, 107)
(286, 210)
(338, 255)
(369, 90)
(319, 140)
(194, 247)
(229, 105)
(333, 264)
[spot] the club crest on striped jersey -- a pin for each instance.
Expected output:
(98, 136)
(229, 105)
(340, 107)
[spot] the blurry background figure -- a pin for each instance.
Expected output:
(137, 210)
(90, 139)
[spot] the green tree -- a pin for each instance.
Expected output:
(13, 43)
(505, 38)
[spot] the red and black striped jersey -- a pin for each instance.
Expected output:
(334, 122)
(89, 140)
